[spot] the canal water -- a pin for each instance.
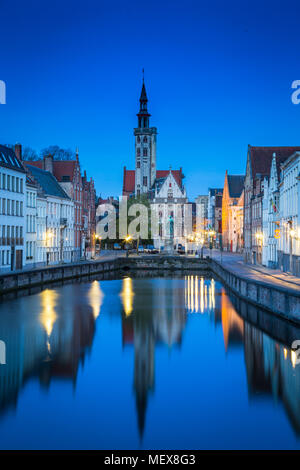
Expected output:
(146, 363)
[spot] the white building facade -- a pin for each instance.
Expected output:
(54, 220)
(170, 203)
(12, 210)
(289, 237)
(30, 226)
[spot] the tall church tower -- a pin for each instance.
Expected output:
(145, 148)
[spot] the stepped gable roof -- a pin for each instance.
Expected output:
(47, 182)
(235, 185)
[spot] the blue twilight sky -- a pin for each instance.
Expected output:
(218, 76)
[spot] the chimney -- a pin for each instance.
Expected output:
(18, 151)
(48, 163)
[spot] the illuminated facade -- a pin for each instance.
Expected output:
(289, 241)
(233, 212)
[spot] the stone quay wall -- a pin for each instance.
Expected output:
(281, 301)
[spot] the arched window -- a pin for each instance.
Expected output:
(145, 139)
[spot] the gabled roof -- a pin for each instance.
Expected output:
(129, 178)
(235, 185)
(261, 158)
(61, 168)
(8, 159)
(176, 173)
(163, 181)
(47, 182)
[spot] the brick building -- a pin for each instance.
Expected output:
(89, 215)
(258, 167)
(232, 208)
(81, 192)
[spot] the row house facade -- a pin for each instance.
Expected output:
(202, 212)
(214, 212)
(12, 210)
(89, 215)
(232, 213)
(289, 239)
(82, 194)
(52, 233)
(31, 221)
(258, 168)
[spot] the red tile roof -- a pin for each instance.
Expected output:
(64, 168)
(129, 178)
(128, 181)
(176, 173)
(261, 158)
(60, 167)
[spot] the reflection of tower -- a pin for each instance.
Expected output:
(143, 367)
(157, 315)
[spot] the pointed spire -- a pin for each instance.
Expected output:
(143, 97)
(143, 115)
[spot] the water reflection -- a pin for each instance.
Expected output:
(95, 296)
(127, 295)
(49, 335)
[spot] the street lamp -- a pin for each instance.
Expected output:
(127, 240)
(292, 234)
(211, 233)
(49, 235)
(259, 237)
(98, 239)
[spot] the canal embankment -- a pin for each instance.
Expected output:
(260, 289)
